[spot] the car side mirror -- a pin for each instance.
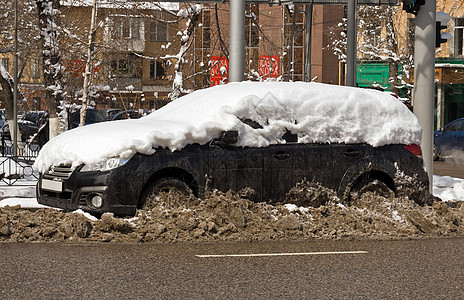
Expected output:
(228, 137)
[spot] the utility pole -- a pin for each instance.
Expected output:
(15, 84)
(237, 40)
(351, 44)
(424, 79)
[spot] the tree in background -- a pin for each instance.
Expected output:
(52, 66)
(379, 28)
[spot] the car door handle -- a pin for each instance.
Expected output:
(281, 155)
(351, 153)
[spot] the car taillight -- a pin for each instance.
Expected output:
(414, 149)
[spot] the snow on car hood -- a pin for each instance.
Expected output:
(316, 112)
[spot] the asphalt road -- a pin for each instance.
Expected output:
(449, 168)
(409, 269)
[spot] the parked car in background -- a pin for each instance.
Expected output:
(28, 125)
(267, 137)
(127, 114)
(449, 140)
(108, 113)
(35, 124)
(3, 119)
(92, 116)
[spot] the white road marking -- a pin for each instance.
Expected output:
(281, 254)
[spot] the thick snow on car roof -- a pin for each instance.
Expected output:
(317, 113)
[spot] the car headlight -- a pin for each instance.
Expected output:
(109, 164)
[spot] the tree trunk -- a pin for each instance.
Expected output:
(51, 59)
(184, 45)
(88, 65)
(7, 96)
(393, 77)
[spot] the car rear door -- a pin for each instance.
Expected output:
(345, 155)
(287, 164)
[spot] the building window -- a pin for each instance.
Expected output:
(297, 66)
(157, 69)
(251, 37)
(123, 67)
(36, 103)
(6, 63)
(202, 41)
(205, 31)
(35, 68)
(458, 34)
(158, 31)
(127, 28)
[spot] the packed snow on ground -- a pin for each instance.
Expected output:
(448, 188)
(315, 112)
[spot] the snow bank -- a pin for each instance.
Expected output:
(316, 112)
(448, 188)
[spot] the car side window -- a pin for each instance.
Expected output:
(456, 126)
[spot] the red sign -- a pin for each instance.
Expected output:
(77, 67)
(269, 66)
(219, 71)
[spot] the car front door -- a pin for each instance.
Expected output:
(235, 168)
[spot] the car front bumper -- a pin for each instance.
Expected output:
(77, 191)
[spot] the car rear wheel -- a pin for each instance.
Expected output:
(373, 185)
(166, 192)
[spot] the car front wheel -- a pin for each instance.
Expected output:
(166, 192)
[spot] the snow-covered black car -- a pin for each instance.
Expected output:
(263, 136)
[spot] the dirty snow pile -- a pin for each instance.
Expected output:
(315, 112)
(228, 216)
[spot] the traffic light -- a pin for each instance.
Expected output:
(412, 6)
(442, 23)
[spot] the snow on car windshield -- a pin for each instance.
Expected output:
(316, 113)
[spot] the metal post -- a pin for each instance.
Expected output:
(237, 40)
(309, 16)
(351, 44)
(15, 84)
(424, 79)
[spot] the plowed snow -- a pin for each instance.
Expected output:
(316, 213)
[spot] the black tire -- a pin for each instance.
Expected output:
(177, 193)
(366, 184)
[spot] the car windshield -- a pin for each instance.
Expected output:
(92, 116)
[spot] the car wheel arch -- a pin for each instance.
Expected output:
(171, 172)
(371, 167)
